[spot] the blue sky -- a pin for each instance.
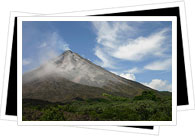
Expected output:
(140, 51)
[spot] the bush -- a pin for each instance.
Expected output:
(146, 95)
(52, 114)
(146, 107)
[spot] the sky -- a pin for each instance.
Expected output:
(139, 51)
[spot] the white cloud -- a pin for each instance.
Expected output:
(44, 44)
(115, 41)
(109, 33)
(55, 41)
(105, 60)
(160, 65)
(129, 76)
(158, 84)
(134, 70)
(65, 46)
(26, 62)
(141, 47)
(51, 46)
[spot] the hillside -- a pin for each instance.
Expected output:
(71, 88)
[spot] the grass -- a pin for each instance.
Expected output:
(146, 107)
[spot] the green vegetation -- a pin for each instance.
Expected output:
(146, 107)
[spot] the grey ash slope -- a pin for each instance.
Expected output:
(70, 76)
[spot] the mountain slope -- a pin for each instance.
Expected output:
(57, 89)
(70, 76)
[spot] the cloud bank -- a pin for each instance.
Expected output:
(160, 65)
(158, 84)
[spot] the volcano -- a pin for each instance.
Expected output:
(70, 76)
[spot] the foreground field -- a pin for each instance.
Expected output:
(146, 107)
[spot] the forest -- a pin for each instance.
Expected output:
(145, 107)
